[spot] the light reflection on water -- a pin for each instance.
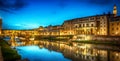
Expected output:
(82, 51)
(34, 53)
(57, 51)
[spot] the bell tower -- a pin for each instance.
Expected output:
(115, 10)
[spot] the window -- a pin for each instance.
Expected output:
(112, 24)
(104, 25)
(98, 18)
(80, 25)
(102, 17)
(91, 25)
(117, 29)
(112, 28)
(83, 25)
(91, 18)
(117, 23)
(76, 26)
(87, 25)
(104, 22)
(101, 30)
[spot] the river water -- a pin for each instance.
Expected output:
(62, 51)
(34, 53)
(43, 50)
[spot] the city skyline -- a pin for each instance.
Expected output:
(59, 30)
(24, 14)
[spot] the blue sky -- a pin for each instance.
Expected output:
(28, 14)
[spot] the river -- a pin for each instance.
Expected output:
(43, 50)
(34, 53)
(62, 51)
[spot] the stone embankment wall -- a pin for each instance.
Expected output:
(106, 38)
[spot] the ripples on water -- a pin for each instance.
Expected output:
(34, 53)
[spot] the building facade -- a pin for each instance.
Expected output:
(94, 25)
(115, 26)
(51, 30)
(91, 25)
(105, 24)
(68, 27)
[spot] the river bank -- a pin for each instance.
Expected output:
(8, 53)
(100, 42)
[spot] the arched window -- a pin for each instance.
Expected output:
(91, 25)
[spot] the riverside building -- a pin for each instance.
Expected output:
(104, 24)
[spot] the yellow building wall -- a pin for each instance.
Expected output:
(115, 28)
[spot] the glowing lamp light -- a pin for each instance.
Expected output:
(116, 32)
(98, 32)
(87, 37)
(32, 38)
(116, 54)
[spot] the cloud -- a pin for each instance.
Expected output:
(12, 5)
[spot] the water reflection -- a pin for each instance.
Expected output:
(73, 51)
(34, 53)
(84, 52)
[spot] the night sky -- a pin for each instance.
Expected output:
(28, 14)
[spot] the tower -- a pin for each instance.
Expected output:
(115, 10)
